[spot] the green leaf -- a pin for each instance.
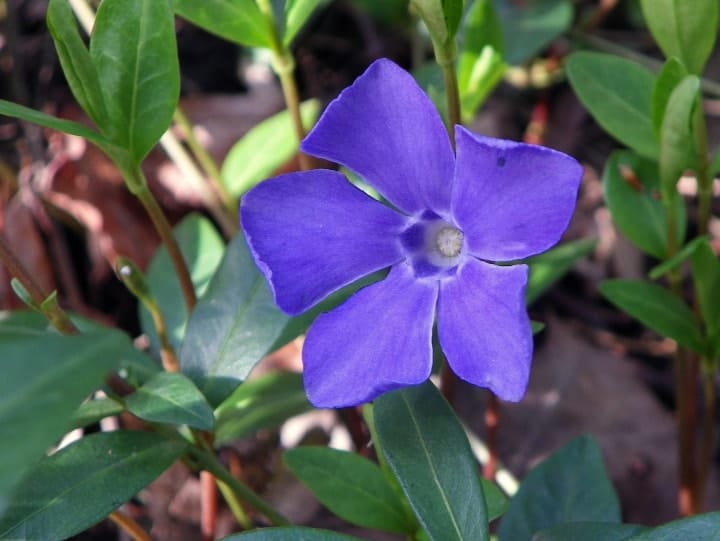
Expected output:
(22, 320)
(94, 411)
(715, 164)
(45, 376)
(239, 21)
(676, 134)
(682, 28)
(263, 149)
(672, 73)
(632, 194)
(496, 501)
(547, 268)
(202, 248)
(429, 454)
(264, 402)
(350, 486)
(234, 325)
(14, 110)
(286, 534)
(173, 399)
(528, 27)
(589, 531)
(698, 528)
(84, 482)
(134, 52)
(706, 277)
(76, 63)
(620, 104)
(480, 64)
(297, 13)
(657, 308)
(678, 259)
(569, 486)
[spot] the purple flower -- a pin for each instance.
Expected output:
(453, 217)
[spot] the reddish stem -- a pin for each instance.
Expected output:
(208, 506)
(492, 421)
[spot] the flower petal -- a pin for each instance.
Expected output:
(512, 200)
(484, 328)
(386, 129)
(312, 233)
(379, 340)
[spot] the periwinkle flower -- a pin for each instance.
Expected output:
(453, 218)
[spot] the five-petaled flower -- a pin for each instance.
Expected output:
(452, 218)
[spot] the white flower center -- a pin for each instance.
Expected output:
(449, 241)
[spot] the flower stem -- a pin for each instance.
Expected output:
(209, 462)
(445, 55)
(708, 441)
(142, 192)
(204, 158)
(283, 64)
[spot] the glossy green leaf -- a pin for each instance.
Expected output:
(683, 28)
(297, 13)
(287, 534)
(84, 482)
(22, 320)
(134, 52)
(263, 149)
(45, 376)
(351, 487)
(672, 73)
(171, 398)
(14, 110)
(706, 277)
(94, 411)
(497, 502)
(260, 403)
(202, 248)
(657, 308)
(426, 448)
(527, 27)
(620, 104)
(569, 486)
(589, 531)
(76, 63)
(239, 21)
(480, 62)
(698, 528)
(548, 268)
(632, 194)
(676, 134)
(233, 326)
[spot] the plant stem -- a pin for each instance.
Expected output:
(129, 526)
(209, 462)
(708, 441)
(143, 193)
(234, 505)
(445, 57)
(283, 64)
(208, 506)
(702, 169)
(204, 158)
(168, 357)
(56, 315)
(685, 376)
(492, 420)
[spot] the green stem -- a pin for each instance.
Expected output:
(52, 311)
(702, 169)
(445, 55)
(283, 64)
(138, 186)
(708, 441)
(234, 504)
(204, 158)
(209, 462)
